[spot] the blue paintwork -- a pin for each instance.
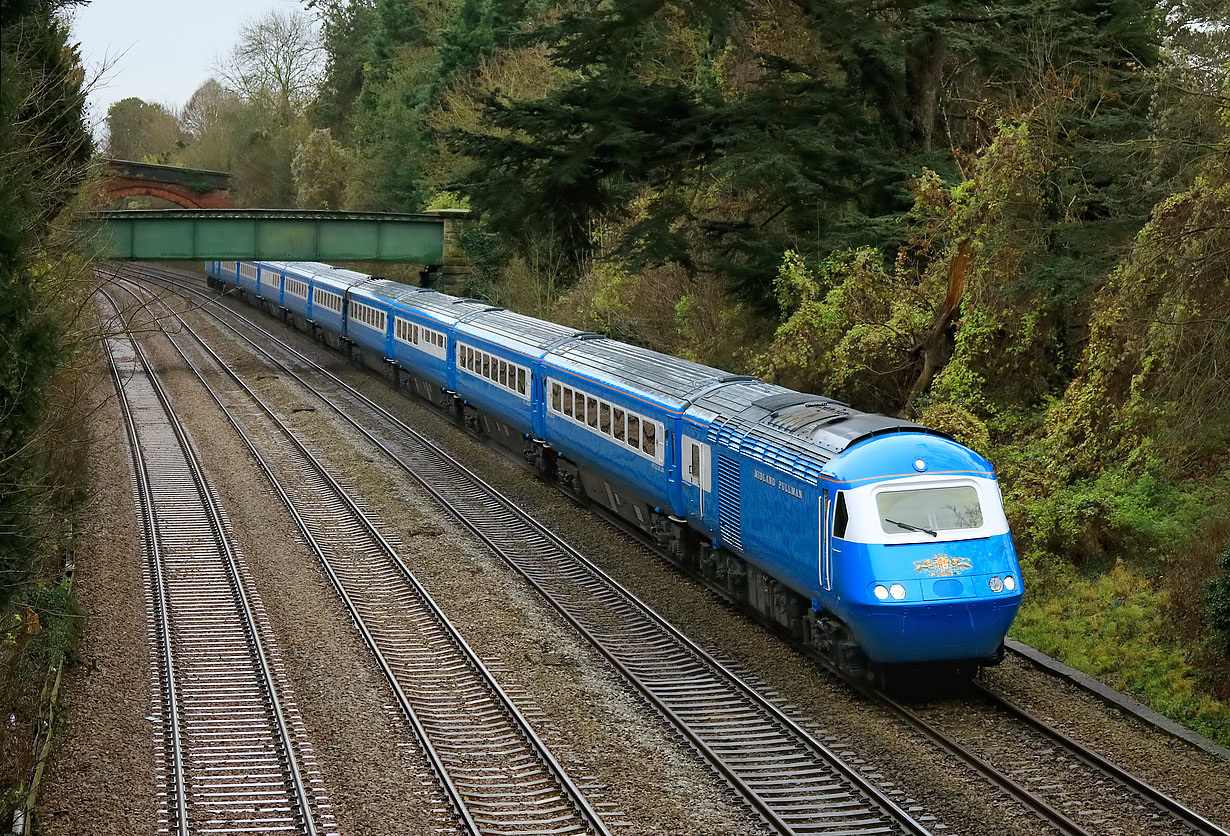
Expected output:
(425, 365)
(324, 317)
(270, 287)
(362, 334)
(620, 462)
(291, 302)
(508, 406)
(780, 492)
(892, 455)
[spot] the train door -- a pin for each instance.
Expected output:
(825, 551)
(696, 475)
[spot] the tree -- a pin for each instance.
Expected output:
(214, 120)
(276, 64)
(739, 131)
(320, 168)
(347, 30)
(142, 131)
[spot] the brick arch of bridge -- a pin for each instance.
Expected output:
(116, 188)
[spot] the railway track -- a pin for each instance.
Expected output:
(496, 774)
(233, 755)
(452, 482)
(796, 783)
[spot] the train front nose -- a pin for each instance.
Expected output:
(919, 632)
(937, 601)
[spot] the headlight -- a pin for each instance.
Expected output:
(881, 592)
(1009, 583)
(997, 584)
(897, 591)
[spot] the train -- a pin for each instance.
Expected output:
(878, 543)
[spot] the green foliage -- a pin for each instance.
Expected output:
(142, 131)
(1218, 599)
(949, 211)
(45, 146)
(320, 168)
(1114, 625)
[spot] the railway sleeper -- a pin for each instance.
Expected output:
(744, 584)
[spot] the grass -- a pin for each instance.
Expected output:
(1116, 626)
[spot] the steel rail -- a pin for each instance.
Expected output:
(589, 818)
(1029, 800)
(726, 763)
(259, 655)
(149, 527)
(1095, 761)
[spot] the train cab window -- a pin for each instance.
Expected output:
(929, 510)
(567, 401)
(521, 381)
(649, 442)
(604, 418)
(634, 431)
(591, 411)
(619, 424)
(841, 516)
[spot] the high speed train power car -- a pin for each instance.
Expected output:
(881, 543)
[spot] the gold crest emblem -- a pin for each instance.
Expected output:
(942, 566)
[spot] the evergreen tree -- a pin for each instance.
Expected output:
(45, 145)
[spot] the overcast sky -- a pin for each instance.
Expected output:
(161, 50)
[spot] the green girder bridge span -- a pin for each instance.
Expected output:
(268, 234)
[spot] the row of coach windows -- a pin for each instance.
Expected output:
(627, 428)
(325, 299)
(248, 271)
(500, 372)
(297, 287)
(230, 266)
(414, 334)
(369, 316)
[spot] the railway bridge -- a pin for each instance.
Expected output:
(189, 188)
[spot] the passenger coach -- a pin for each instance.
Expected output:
(879, 542)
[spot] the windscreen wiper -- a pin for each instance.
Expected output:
(912, 527)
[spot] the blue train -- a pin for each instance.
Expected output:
(881, 543)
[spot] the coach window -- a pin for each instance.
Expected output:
(650, 442)
(591, 411)
(604, 422)
(487, 365)
(619, 424)
(521, 381)
(841, 516)
(634, 431)
(567, 401)
(556, 397)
